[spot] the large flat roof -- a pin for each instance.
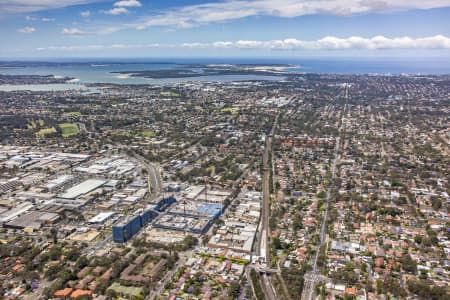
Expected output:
(14, 212)
(83, 188)
(101, 217)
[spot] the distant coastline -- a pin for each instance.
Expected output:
(200, 70)
(162, 71)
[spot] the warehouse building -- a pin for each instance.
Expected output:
(83, 188)
(58, 182)
(32, 220)
(101, 217)
(15, 212)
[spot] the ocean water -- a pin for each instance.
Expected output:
(101, 71)
(104, 73)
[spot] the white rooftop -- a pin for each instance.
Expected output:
(101, 217)
(83, 188)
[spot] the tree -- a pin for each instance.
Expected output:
(111, 294)
(322, 194)
(73, 254)
(258, 289)
(276, 243)
(233, 290)
(277, 185)
(81, 262)
(425, 290)
(408, 264)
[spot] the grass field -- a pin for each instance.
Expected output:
(230, 111)
(169, 94)
(46, 131)
(74, 113)
(68, 129)
(128, 291)
(147, 134)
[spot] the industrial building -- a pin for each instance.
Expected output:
(54, 161)
(240, 226)
(129, 194)
(69, 203)
(110, 166)
(101, 217)
(83, 188)
(193, 191)
(58, 182)
(32, 220)
(239, 238)
(15, 212)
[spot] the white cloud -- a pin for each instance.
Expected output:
(74, 31)
(128, 3)
(27, 30)
(326, 43)
(32, 19)
(335, 43)
(97, 47)
(85, 14)
(70, 48)
(27, 6)
(116, 11)
(194, 15)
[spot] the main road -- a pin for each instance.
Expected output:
(152, 169)
(161, 284)
(312, 277)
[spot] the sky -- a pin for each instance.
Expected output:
(236, 28)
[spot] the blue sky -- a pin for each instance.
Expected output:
(133, 28)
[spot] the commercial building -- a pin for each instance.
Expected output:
(115, 166)
(192, 192)
(240, 226)
(164, 203)
(126, 228)
(239, 238)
